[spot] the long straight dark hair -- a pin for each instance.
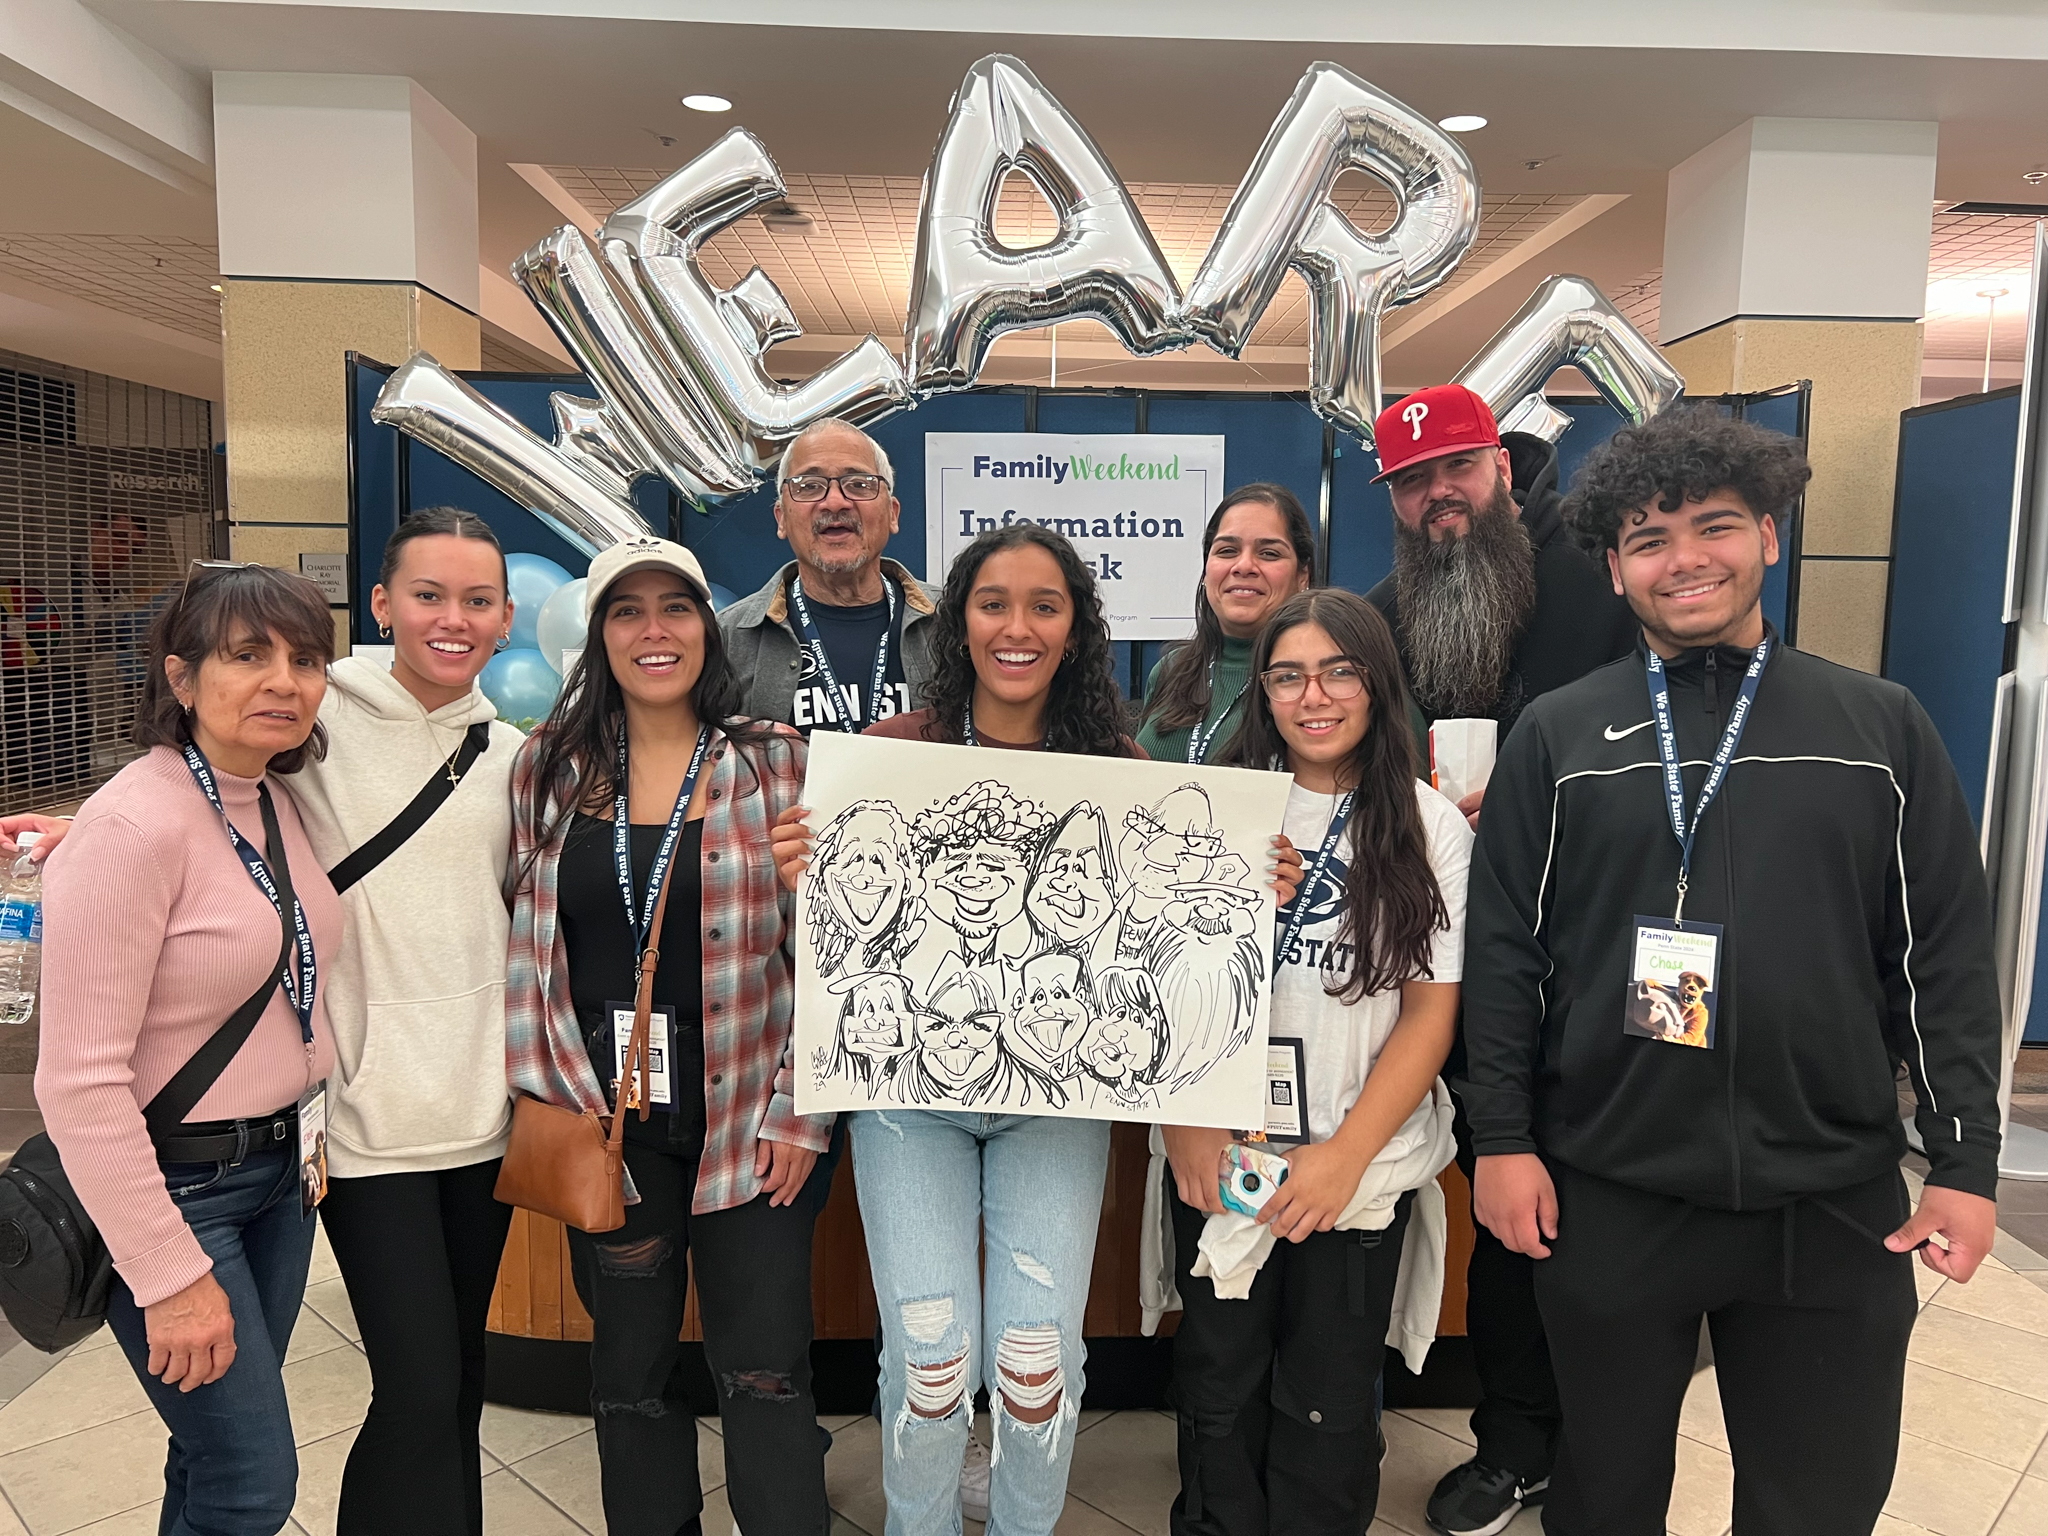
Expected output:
(1181, 696)
(1085, 712)
(1393, 908)
(576, 749)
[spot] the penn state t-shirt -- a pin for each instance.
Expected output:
(851, 636)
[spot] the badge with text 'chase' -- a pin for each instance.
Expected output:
(1671, 982)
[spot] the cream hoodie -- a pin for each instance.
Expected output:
(416, 995)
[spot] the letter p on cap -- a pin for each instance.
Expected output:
(1433, 422)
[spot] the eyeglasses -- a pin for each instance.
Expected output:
(193, 569)
(816, 487)
(1284, 685)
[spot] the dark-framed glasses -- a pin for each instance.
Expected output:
(863, 487)
(1284, 685)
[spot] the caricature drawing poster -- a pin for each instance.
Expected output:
(1034, 933)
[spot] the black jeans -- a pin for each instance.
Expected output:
(1517, 1421)
(1810, 1315)
(753, 1268)
(1275, 1393)
(419, 1253)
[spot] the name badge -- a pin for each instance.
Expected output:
(1671, 982)
(659, 1031)
(1286, 1091)
(312, 1149)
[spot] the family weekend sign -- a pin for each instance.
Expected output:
(1133, 505)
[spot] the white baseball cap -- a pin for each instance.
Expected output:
(646, 553)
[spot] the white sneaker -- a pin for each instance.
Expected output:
(974, 1481)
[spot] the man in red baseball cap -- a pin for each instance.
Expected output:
(1491, 604)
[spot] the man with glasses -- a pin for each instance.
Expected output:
(1491, 605)
(840, 637)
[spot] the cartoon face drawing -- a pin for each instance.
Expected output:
(878, 1018)
(1175, 843)
(957, 1040)
(1072, 892)
(1126, 1044)
(1050, 1012)
(867, 888)
(975, 847)
(1206, 958)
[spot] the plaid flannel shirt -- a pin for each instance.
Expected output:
(749, 987)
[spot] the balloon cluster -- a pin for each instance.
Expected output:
(678, 364)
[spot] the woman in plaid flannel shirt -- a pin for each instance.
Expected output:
(717, 1168)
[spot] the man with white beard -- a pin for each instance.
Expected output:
(1491, 604)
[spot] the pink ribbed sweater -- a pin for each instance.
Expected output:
(153, 933)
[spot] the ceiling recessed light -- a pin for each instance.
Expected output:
(1462, 122)
(707, 103)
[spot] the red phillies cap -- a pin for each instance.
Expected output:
(1444, 418)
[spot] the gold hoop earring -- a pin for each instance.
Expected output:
(384, 631)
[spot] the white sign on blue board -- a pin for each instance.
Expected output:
(1133, 504)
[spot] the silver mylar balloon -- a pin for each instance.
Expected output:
(663, 427)
(578, 487)
(967, 289)
(714, 339)
(1569, 322)
(1282, 217)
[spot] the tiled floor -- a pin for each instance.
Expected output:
(81, 1451)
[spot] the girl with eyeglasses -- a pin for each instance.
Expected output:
(418, 1108)
(1276, 1360)
(1257, 551)
(1023, 663)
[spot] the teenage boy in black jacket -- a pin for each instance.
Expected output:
(1681, 1068)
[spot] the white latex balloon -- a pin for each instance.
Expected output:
(560, 625)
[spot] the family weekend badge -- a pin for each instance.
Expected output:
(1671, 982)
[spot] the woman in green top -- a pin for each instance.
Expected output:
(1257, 552)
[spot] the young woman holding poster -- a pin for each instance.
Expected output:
(1257, 552)
(1275, 1389)
(1022, 662)
(642, 777)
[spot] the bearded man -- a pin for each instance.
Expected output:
(1491, 604)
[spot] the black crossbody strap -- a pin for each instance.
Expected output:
(414, 816)
(174, 1101)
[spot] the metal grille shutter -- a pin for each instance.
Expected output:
(107, 491)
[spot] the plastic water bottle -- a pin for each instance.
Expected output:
(21, 934)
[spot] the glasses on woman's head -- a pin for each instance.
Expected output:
(1284, 685)
(817, 487)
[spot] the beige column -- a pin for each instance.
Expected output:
(348, 223)
(1796, 249)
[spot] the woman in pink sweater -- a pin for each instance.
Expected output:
(168, 906)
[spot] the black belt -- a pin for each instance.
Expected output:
(228, 1141)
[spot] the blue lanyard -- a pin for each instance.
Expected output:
(643, 921)
(1296, 911)
(815, 644)
(1199, 739)
(300, 988)
(967, 736)
(1667, 749)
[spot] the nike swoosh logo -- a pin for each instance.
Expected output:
(1613, 735)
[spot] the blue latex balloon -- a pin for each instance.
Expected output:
(532, 580)
(523, 686)
(721, 597)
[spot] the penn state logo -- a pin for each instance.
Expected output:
(1413, 416)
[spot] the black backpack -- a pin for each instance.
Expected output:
(55, 1272)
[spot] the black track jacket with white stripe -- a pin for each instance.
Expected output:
(1840, 861)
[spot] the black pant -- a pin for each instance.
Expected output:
(1810, 1316)
(753, 1268)
(1517, 1421)
(420, 1254)
(1275, 1393)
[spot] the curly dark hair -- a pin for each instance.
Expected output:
(1085, 712)
(1393, 907)
(1683, 455)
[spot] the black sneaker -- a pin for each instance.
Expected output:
(1478, 1500)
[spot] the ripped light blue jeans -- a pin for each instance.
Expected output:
(932, 1184)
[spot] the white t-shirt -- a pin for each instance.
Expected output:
(1341, 1041)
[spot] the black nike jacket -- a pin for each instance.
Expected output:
(1840, 861)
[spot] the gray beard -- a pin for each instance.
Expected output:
(1463, 605)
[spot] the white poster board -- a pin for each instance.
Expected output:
(1134, 505)
(1034, 932)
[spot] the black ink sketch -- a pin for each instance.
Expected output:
(986, 950)
(869, 877)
